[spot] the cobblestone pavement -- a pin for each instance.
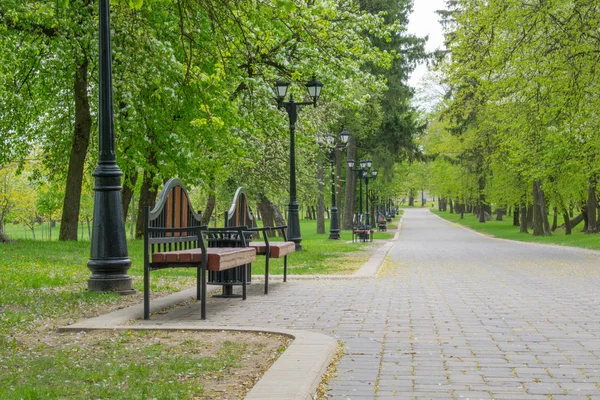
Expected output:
(453, 314)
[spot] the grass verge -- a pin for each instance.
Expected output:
(505, 230)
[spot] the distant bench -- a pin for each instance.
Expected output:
(381, 223)
(174, 237)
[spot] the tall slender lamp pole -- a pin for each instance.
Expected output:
(314, 89)
(109, 259)
(334, 224)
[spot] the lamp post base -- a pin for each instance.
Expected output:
(334, 235)
(107, 283)
(334, 228)
(294, 225)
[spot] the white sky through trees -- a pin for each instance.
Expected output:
(425, 22)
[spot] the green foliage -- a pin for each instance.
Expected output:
(518, 108)
(193, 86)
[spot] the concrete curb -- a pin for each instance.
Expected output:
(371, 267)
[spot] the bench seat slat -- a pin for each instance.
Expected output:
(219, 258)
(278, 249)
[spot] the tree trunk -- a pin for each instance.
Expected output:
(210, 202)
(567, 222)
(500, 214)
(132, 221)
(544, 210)
(320, 201)
(279, 220)
(411, 199)
(591, 208)
(572, 222)
(482, 202)
(538, 225)
(555, 220)
(129, 181)
(350, 195)
(516, 215)
(271, 216)
(530, 216)
(148, 194)
(451, 206)
(79, 148)
(265, 208)
(3, 237)
(209, 209)
(523, 220)
(338, 184)
(89, 226)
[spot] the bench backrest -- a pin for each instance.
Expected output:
(239, 214)
(172, 224)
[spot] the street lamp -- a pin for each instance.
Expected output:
(362, 172)
(314, 90)
(373, 175)
(334, 224)
(109, 260)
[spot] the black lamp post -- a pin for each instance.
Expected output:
(334, 223)
(367, 173)
(314, 89)
(364, 166)
(371, 195)
(109, 260)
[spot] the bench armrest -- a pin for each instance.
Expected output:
(283, 230)
(239, 232)
(264, 231)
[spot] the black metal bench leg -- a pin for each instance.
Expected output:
(267, 275)
(146, 293)
(244, 279)
(202, 272)
(285, 268)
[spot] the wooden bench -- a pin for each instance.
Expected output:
(238, 216)
(271, 249)
(175, 238)
(362, 234)
(381, 223)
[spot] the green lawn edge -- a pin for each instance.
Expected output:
(505, 230)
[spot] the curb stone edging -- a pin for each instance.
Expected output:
(372, 266)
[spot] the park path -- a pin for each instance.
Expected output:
(453, 314)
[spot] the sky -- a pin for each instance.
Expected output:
(422, 22)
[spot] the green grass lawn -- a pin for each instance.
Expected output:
(505, 230)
